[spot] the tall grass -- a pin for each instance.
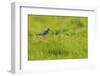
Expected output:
(67, 38)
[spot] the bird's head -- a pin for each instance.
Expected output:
(48, 29)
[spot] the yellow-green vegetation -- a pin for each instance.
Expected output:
(67, 37)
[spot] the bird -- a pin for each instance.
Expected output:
(44, 33)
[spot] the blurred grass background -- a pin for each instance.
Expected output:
(67, 38)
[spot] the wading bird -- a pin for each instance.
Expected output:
(44, 33)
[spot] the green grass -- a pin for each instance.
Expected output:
(67, 38)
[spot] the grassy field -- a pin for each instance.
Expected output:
(66, 39)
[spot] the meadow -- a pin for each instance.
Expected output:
(67, 37)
